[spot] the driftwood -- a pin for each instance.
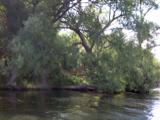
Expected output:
(77, 88)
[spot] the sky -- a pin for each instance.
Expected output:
(154, 16)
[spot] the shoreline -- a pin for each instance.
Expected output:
(78, 88)
(69, 88)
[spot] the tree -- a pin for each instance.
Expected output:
(16, 14)
(37, 52)
(96, 43)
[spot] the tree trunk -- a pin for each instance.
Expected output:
(12, 79)
(84, 43)
(44, 79)
(16, 14)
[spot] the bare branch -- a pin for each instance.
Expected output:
(64, 9)
(147, 11)
(153, 46)
(108, 24)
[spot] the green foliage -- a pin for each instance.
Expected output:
(144, 72)
(106, 72)
(72, 55)
(70, 79)
(37, 50)
(124, 66)
(94, 51)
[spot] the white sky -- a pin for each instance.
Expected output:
(154, 16)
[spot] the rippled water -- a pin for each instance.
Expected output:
(67, 105)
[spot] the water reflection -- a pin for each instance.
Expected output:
(77, 106)
(24, 117)
(155, 107)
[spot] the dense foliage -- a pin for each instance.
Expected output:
(47, 43)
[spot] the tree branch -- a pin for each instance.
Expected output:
(147, 11)
(83, 40)
(64, 9)
(108, 24)
(153, 46)
(81, 36)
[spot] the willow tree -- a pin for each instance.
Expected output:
(18, 12)
(94, 23)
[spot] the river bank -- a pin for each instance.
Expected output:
(79, 88)
(69, 87)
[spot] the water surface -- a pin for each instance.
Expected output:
(67, 105)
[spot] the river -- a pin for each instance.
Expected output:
(69, 105)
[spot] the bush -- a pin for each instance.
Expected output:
(37, 51)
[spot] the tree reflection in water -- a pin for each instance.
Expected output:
(65, 105)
